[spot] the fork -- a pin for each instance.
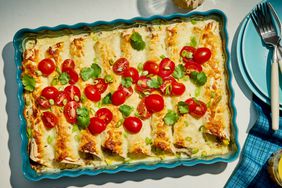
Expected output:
(263, 22)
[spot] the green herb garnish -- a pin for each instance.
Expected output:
(182, 107)
(198, 78)
(155, 82)
(107, 99)
(125, 110)
(171, 118)
(126, 82)
(49, 139)
(148, 141)
(109, 78)
(64, 78)
(90, 72)
(193, 42)
(179, 71)
(137, 42)
(28, 82)
(83, 118)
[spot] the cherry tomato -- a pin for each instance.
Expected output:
(142, 85)
(43, 102)
(142, 110)
(166, 67)
(96, 125)
(177, 88)
(73, 75)
(68, 64)
(100, 85)
(152, 67)
(192, 66)
(62, 98)
(49, 92)
(118, 97)
(200, 110)
(132, 124)
(120, 66)
(104, 114)
(191, 104)
(196, 107)
(49, 119)
(132, 73)
(46, 66)
(202, 55)
(92, 93)
(187, 51)
(70, 111)
(154, 103)
(127, 91)
(166, 87)
(73, 92)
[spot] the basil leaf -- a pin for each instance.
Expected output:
(182, 107)
(155, 82)
(137, 42)
(64, 78)
(83, 118)
(86, 73)
(28, 82)
(125, 110)
(107, 99)
(171, 118)
(97, 70)
(179, 72)
(126, 82)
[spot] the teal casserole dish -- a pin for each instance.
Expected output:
(28, 165)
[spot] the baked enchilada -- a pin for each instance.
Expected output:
(134, 94)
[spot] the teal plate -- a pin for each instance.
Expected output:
(256, 59)
(34, 176)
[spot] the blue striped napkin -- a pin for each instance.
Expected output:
(260, 144)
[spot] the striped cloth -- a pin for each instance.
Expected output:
(260, 144)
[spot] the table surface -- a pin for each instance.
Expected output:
(15, 15)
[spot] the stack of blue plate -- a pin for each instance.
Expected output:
(254, 58)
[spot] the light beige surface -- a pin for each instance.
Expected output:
(19, 14)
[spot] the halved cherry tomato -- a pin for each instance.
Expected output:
(120, 66)
(46, 66)
(166, 87)
(197, 108)
(202, 55)
(72, 91)
(68, 64)
(191, 104)
(154, 103)
(92, 93)
(43, 102)
(49, 92)
(142, 85)
(166, 67)
(187, 51)
(62, 98)
(49, 119)
(132, 73)
(200, 110)
(70, 111)
(192, 66)
(96, 125)
(142, 110)
(118, 97)
(128, 91)
(100, 85)
(132, 124)
(73, 75)
(152, 67)
(177, 88)
(105, 115)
